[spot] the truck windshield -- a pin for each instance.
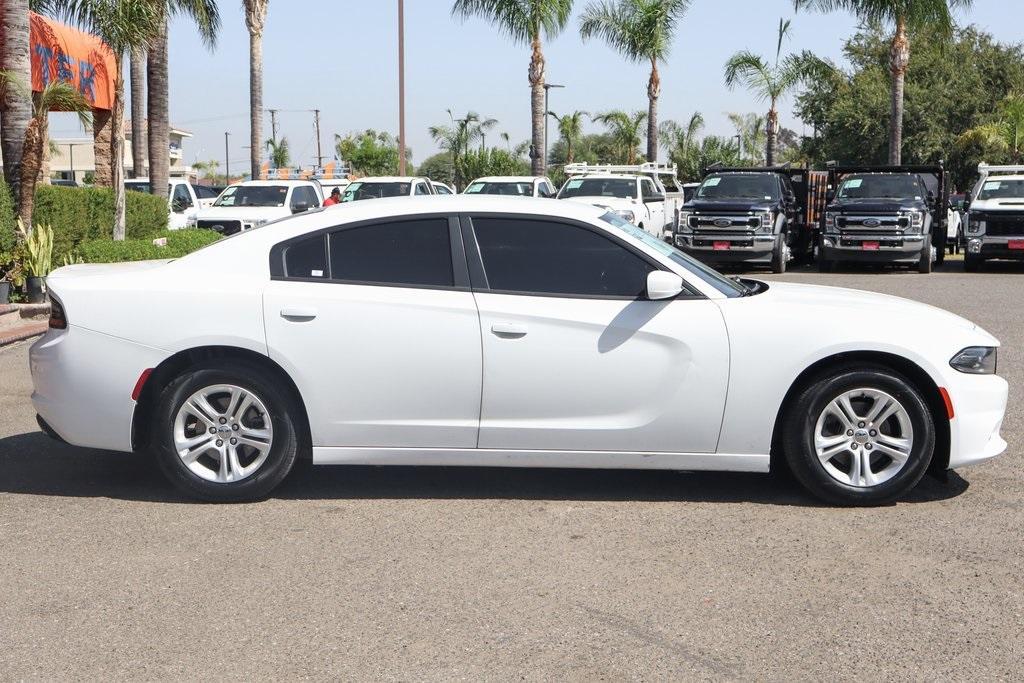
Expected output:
(729, 288)
(880, 186)
(623, 188)
(762, 186)
(515, 189)
(357, 191)
(1001, 189)
(253, 195)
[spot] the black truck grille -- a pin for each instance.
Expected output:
(872, 221)
(1004, 226)
(725, 222)
(223, 227)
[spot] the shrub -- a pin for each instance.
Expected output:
(7, 220)
(79, 214)
(179, 243)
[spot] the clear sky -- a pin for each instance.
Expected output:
(341, 56)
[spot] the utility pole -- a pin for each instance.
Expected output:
(401, 87)
(547, 114)
(273, 124)
(316, 128)
(227, 160)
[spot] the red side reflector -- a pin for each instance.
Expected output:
(948, 401)
(141, 383)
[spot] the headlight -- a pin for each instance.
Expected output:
(916, 218)
(626, 215)
(975, 225)
(830, 221)
(767, 221)
(684, 220)
(975, 360)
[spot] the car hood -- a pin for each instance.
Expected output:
(895, 316)
(1005, 204)
(243, 213)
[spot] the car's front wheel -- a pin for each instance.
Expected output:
(859, 436)
(225, 433)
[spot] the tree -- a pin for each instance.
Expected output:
(255, 20)
(624, 129)
(207, 19)
(279, 153)
(753, 138)
(525, 21)
(769, 82)
(15, 103)
(951, 87)
(124, 25)
(137, 80)
(1004, 132)
(456, 138)
(642, 31)
(491, 161)
(369, 153)
(437, 167)
(683, 144)
(905, 16)
(56, 96)
(570, 127)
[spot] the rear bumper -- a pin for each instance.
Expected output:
(83, 381)
(979, 404)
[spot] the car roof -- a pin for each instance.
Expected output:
(509, 179)
(389, 179)
(599, 176)
(267, 183)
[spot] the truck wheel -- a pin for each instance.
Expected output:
(825, 265)
(779, 256)
(972, 264)
(924, 264)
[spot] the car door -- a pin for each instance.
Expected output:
(183, 206)
(655, 202)
(575, 358)
(377, 325)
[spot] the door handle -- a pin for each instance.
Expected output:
(509, 330)
(298, 314)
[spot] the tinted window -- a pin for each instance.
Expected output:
(304, 194)
(400, 253)
(253, 195)
(739, 186)
(515, 189)
(525, 255)
(1001, 188)
(181, 196)
(648, 188)
(624, 188)
(880, 186)
(204, 192)
(421, 188)
(307, 258)
(360, 190)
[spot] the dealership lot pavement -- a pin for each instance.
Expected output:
(399, 573)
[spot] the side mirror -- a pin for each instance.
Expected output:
(965, 204)
(790, 198)
(663, 285)
(830, 196)
(651, 198)
(178, 206)
(300, 207)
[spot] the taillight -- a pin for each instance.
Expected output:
(58, 321)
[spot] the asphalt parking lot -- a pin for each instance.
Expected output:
(400, 573)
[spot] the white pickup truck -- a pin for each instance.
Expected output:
(634, 192)
(184, 199)
(253, 203)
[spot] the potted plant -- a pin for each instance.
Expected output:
(38, 250)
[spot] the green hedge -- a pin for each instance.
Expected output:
(7, 220)
(179, 243)
(78, 214)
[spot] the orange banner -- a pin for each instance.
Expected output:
(62, 53)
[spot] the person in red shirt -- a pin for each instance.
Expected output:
(334, 198)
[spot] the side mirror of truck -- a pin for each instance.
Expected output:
(178, 206)
(300, 207)
(653, 198)
(965, 204)
(830, 196)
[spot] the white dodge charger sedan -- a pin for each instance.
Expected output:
(505, 332)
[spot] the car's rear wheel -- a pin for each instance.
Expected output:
(780, 255)
(859, 436)
(225, 433)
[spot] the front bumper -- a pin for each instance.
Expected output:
(979, 404)
(743, 247)
(850, 247)
(994, 247)
(83, 381)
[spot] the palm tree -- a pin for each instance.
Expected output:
(625, 131)
(137, 79)
(457, 137)
(525, 21)
(124, 25)
(56, 96)
(750, 128)
(642, 31)
(570, 127)
(771, 81)
(255, 20)
(279, 153)
(905, 16)
(682, 144)
(16, 103)
(207, 18)
(1005, 133)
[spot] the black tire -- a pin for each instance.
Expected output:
(972, 264)
(801, 422)
(825, 265)
(283, 445)
(779, 255)
(924, 263)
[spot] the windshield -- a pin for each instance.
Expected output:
(623, 188)
(880, 186)
(139, 186)
(739, 186)
(721, 283)
(1002, 189)
(253, 195)
(358, 190)
(515, 189)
